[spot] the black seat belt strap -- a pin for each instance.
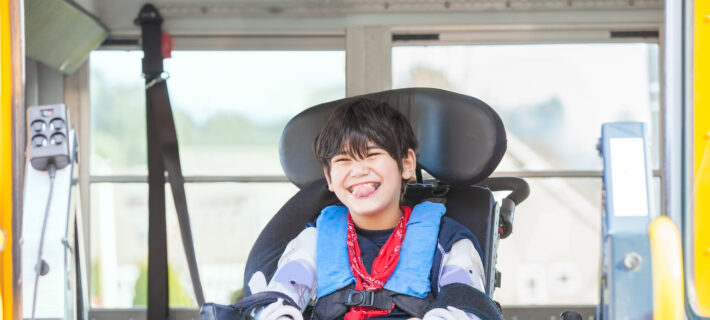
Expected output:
(158, 303)
(166, 130)
(162, 155)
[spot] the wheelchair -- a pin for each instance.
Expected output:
(461, 142)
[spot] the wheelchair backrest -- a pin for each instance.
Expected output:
(461, 142)
(461, 139)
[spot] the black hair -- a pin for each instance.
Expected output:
(358, 121)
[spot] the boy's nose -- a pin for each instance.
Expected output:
(359, 169)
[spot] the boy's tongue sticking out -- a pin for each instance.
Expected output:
(364, 190)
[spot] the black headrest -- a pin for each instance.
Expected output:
(461, 139)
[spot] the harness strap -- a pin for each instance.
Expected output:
(330, 306)
(162, 155)
(468, 299)
(244, 309)
(412, 305)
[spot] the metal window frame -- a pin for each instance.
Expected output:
(524, 34)
(283, 179)
(318, 41)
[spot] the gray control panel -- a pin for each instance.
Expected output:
(47, 134)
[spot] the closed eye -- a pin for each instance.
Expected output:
(341, 159)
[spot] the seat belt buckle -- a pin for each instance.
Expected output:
(363, 298)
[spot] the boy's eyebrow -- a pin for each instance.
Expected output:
(344, 152)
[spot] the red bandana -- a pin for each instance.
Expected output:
(382, 267)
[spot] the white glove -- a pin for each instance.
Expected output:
(450, 313)
(278, 311)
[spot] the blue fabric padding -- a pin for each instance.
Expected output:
(411, 277)
(332, 262)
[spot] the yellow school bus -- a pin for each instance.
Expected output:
(238, 70)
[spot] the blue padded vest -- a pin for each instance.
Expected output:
(410, 277)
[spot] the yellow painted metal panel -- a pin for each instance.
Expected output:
(701, 97)
(700, 232)
(6, 280)
(667, 268)
(701, 79)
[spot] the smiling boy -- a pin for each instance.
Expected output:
(374, 257)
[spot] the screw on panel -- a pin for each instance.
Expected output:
(632, 261)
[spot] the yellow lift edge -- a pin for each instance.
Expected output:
(667, 260)
(701, 96)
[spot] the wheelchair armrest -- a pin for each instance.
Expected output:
(505, 224)
(520, 190)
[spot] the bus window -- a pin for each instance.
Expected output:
(553, 99)
(229, 108)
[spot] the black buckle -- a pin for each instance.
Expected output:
(364, 298)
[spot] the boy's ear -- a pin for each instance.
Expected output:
(327, 178)
(409, 164)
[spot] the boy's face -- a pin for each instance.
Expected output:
(369, 186)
